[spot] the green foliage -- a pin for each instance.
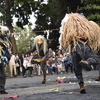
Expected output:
(24, 39)
(22, 9)
(91, 10)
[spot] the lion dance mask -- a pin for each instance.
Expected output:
(76, 28)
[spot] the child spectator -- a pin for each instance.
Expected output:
(68, 63)
(59, 65)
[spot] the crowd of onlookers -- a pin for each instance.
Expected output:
(57, 62)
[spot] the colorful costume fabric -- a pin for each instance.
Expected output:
(4, 56)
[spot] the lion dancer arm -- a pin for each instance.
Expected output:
(87, 54)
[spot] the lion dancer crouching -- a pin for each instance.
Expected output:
(80, 38)
(40, 45)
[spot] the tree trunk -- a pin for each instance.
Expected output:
(13, 41)
(8, 5)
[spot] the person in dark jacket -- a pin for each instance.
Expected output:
(22, 60)
(68, 63)
(80, 37)
(53, 65)
(18, 63)
(98, 67)
(40, 45)
(83, 60)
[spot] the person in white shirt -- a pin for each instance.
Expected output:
(27, 65)
(12, 65)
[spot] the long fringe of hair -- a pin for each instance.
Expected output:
(44, 44)
(77, 28)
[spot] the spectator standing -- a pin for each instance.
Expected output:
(12, 65)
(18, 63)
(22, 59)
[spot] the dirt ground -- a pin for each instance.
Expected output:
(32, 89)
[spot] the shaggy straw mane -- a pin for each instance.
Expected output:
(44, 44)
(77, 28)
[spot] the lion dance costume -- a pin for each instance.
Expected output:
(40, 45)
(4, 56)
(80, 37)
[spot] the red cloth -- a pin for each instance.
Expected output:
(15, 96)
(59, 80)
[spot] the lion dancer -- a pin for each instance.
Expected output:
(4, 56)
(98, 67)
(80, 38)
(40, 45)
